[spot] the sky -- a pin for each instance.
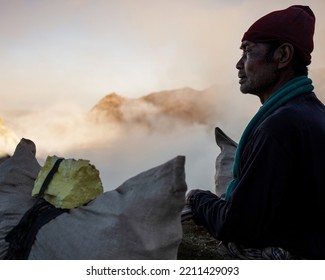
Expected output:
(59, 58)
(80, 50)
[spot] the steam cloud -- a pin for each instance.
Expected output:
(146, 138)
(68, 53)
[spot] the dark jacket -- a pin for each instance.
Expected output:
(280, 196)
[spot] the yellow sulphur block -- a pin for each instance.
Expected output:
(76, 183)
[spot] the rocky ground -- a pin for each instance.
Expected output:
(198, 244)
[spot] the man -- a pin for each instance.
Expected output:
(277, 196)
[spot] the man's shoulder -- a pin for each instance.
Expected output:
(302, 111)
(305, 106)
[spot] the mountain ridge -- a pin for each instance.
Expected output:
(184, 105)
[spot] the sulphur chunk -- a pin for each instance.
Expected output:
(75, 183)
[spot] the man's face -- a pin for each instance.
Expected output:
(256, 75)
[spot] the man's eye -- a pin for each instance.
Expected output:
(246, 52)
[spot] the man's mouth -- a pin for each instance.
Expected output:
(242, 79)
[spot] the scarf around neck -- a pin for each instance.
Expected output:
(288, 91)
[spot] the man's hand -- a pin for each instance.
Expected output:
(189, 195)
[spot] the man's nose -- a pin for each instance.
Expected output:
(239, 64)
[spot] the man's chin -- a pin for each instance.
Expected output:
(244, 89)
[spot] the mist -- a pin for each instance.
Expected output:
(59, 58)
(122, 150)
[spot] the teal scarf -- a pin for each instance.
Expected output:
(291, 89)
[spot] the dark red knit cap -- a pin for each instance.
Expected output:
(294, 25)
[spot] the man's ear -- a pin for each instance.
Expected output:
(284, 55)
